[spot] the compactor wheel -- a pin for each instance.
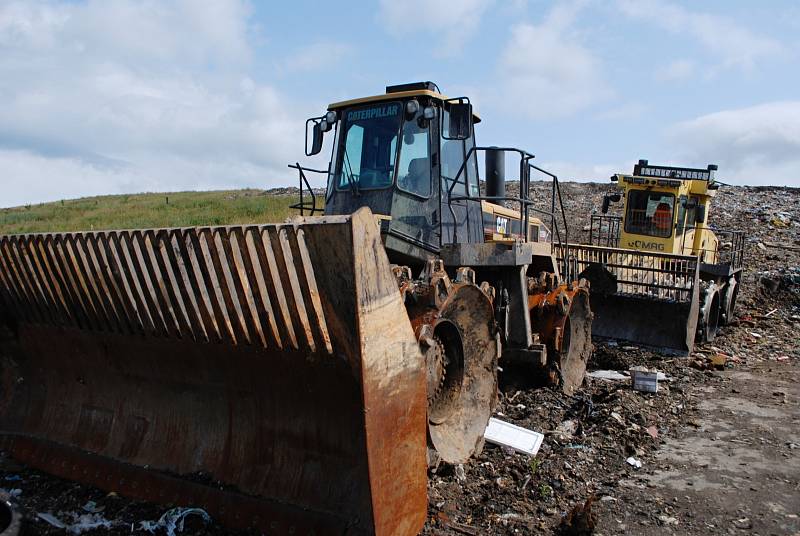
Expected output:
(730, 295)
(455, 326)
(576, 343)
(709, 322)
(460, 410)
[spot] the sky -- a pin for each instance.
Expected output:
(121, 96)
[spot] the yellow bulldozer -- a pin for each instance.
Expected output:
(661, 275)
(300, 377)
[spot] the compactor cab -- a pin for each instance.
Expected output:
(668, 278)
(410, 156)
(465, 258)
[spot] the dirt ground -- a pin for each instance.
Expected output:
(719, 446)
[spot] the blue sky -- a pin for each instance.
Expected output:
(112, 96)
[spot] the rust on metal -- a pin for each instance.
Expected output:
(276, 361)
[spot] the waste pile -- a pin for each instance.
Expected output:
(592, 440)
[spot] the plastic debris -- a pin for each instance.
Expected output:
(611, 375)
(92, 507)
(87, 522)
(52, 520)
(81, 523)
(644, 380)
(516, 437)
(13, 478)
(172, 520)
(634, 462)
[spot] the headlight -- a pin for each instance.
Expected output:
(412, 107)
(323, 125)
(429, 113)
(330, 117)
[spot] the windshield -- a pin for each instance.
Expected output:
(369, 146)
(649, 213)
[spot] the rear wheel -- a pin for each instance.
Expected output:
(710, 314)
(731, 293)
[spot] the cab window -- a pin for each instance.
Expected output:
(414, 165)
(452, 157)
(649, 213)
(369, 146)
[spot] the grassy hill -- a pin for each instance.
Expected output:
(141, 211)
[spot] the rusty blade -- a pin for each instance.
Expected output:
(283, 370)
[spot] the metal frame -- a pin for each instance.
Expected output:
(609, 238)
(658, 275)
(734, 257)
(303, 205)
(524, 200)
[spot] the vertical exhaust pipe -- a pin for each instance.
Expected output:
(495, 172)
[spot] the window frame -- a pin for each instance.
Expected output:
(337, 171)
(628, 208)
(416, 117)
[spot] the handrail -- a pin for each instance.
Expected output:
(303, 204)
(524, 199)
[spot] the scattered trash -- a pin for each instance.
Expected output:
(173, 520)
(461, 474)
(13, 478)
(51, 519)
(92, 507)
(80, 524)
(516, 437)
(567, 428)
(612, 375)
(87, 522)
(644, 380)
(652, 431)
(634, 462)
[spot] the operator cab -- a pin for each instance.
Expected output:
(665, 207)
(404, 154)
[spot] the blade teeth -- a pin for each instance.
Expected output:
(252, 286)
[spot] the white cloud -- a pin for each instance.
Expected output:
(734, 44)
(755, 145)
(104, 97)
(675, 70)
(547, 71)
(451, 22)
(317, 56)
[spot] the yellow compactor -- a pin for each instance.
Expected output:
(661, 275)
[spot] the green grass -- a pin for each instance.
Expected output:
(142, 211)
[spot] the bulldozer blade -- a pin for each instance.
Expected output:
(649, 299)
(267, 373)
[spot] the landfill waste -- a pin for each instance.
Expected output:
(80, 522)
(643, 379)
(173, 520)
(634, 462)
(515, 437)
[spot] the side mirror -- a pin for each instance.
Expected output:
(700, 214)
(460, 127)
(608, 199)
(317, 135)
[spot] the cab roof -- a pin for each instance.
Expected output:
(399, 92)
